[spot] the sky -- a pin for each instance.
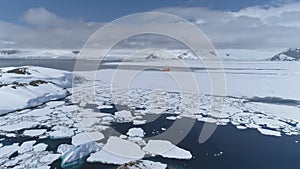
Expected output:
(230, 24)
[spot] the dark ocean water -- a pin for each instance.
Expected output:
(241, 149)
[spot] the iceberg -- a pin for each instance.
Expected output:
(74, 155)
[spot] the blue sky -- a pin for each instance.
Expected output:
(229, 24)
(105, 11)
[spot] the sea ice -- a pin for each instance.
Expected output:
(117, 151)
(26, 146)
(136, 132)
(166, 149)
(34, 132)
(18, 126)
(86, 137)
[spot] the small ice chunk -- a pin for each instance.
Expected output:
(105, 107)
(139, 122)
(26, 146)
(11, 135)
(241, 127)
(86, 137)
(171, 118)
(135, 132)
(166, 149)
(117, 151)
(269, 132)
(34, 132)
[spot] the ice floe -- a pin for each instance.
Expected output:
(269, 132)
(61, 132)
(34, 132)
(117, 151)
(166, 149)
(26, 146)
(7, 151)
(19, 126)
(86, 137)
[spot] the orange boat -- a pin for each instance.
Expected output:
(166, 69)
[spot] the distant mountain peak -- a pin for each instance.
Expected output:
(291, 54)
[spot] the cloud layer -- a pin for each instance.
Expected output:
(249, 28)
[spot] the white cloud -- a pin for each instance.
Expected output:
(40, 16)
(253, 27)
(45, 29)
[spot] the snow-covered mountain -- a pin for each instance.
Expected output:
(292, 54)
(38, 53)
(180, 54)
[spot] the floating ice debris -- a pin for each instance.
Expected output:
(241, 127)
(117, 151)
(86, 137)
(166, 149)
(171, 118)
(105, 107)
(136, 132)
(34, 132)
(269, 132)
(139, 122)
(11, 135)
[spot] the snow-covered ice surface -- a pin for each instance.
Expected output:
(145, 164)
(24, 87)
(166, 149)
(260, 95)
(117, 151)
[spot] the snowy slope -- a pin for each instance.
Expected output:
(31, 86)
